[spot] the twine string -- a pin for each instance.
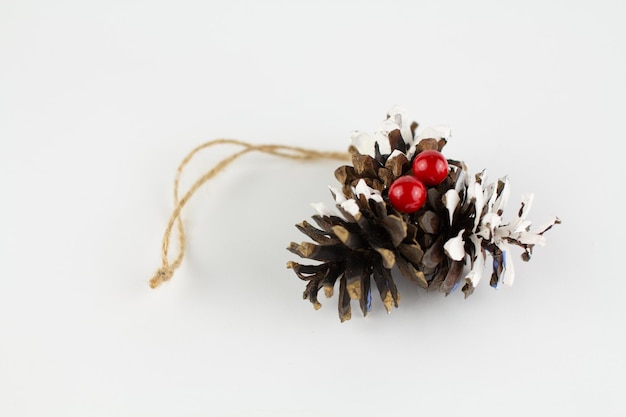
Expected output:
(166, 271)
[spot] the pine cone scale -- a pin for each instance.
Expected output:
(345, 312)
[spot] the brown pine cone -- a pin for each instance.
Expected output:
(459, 224)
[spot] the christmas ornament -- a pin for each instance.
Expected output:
(402, 205)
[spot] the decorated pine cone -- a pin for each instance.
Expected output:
(402, 204)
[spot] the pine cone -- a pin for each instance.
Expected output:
(459, 224)
(367, 242)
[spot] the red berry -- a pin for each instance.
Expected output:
(407, 194)
(430, 167)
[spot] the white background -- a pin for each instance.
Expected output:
(99, 102)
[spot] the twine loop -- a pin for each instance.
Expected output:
(167, 269)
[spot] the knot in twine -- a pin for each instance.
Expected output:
(162, 275)
(168, 268)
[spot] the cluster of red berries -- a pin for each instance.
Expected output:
(407, 194)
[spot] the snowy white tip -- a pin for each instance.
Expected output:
(454, 247)
(371, 194)
(323, 210)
